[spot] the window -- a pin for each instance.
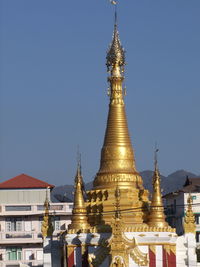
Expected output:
(52, 207)
(40, 223)
(197, 237)
(56, 223)
(13, 253)
(28, 226)
(194, 197)
(197, 218)
(28, 255)
(18, 208)
(14, 224)
(40, 207)
(39, 255)
(56, 207)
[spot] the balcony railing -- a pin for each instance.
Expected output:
(15, 263)
(19, 235)
(6, 237)
(31, 209)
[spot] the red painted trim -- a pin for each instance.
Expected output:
(70, 260)
(152, 258)
(165, 258)
(172, 260)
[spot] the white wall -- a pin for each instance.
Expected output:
(22, 196)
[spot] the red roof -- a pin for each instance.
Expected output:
(24, 181)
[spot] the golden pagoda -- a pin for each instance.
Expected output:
(117, 165)
(118, 226)
(157, 216)
(79, 214)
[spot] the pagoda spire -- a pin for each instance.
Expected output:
(47, 227)
(117, 157)
(117, 164)
(79, 213)
(157, 216)
(189, 219)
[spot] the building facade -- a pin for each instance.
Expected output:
(176, 206)
(21, 215)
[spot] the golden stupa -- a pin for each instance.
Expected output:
(117, 166)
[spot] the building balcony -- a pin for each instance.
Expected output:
(15, 263)
(36, 209)
(20, 237)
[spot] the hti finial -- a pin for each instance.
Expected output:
(78, 157)
(156, 156)
(115, 15)
(114, 2)
(116, 54)
(78, 160)
(78, 177)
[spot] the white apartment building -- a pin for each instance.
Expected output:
(176, 205)
(21, 215)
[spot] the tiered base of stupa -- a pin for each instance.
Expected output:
(131, 249)
(134, 205)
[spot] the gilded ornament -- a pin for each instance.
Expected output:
(47, 227)
(189, 219)
(157, 217)
(79, 221)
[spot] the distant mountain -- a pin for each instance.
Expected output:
(65, 193)
(147, 179)
(169, 183)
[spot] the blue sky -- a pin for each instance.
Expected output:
(53, 84)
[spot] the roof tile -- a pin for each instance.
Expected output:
(24, 181)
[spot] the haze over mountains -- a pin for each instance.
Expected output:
(169, 183)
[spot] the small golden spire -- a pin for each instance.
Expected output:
(47, 227)
(189, 219)
(157, 216)
(79, 214)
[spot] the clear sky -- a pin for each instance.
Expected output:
(53, 84)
